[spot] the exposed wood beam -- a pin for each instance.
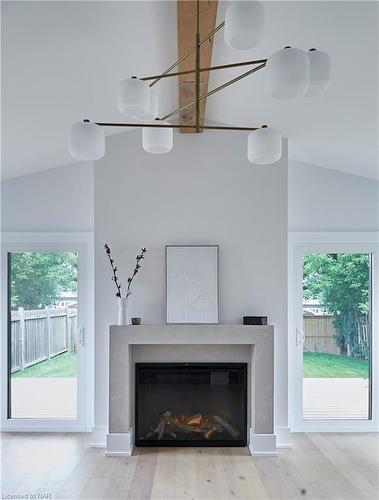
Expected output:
(186, 40)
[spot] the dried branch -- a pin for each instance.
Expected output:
(114, 268)
(114, 278)
(136, 269)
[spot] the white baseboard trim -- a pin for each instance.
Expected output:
(119, 444)
(262, 453)
(283, 437)
(262, 444)
(99, 437)
(118, 453)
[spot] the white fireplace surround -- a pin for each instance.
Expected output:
(191, 343)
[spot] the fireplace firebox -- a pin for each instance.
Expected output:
(191, 404)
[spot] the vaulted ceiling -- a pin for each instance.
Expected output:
(62, 61)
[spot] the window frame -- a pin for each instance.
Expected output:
(82, 243)
(348, 242)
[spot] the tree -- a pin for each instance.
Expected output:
(341, 283)
(37, 278)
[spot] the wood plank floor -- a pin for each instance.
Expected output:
(320, 466)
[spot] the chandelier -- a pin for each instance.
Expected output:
(290, 73)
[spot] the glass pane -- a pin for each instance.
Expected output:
(336, 335)
(191, 404)
(43, 324)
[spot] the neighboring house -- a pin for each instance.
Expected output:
(67, 299)
(314, 308)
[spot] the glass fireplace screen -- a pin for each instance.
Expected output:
(191, 404)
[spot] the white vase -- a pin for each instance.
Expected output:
(123, 313)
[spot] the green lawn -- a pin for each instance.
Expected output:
(321, 365)
(64, 365)
(316, 365)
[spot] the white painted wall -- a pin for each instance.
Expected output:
(56, 200)
(203, 192)
(169, 199)
(61, 199)
(320, 199)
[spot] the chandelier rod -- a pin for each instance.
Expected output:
(217, 89)
(210, 35)
(210, 68)
(159, 125)
(197, 67)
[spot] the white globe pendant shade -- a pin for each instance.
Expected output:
(244, 23)
(287, 73)
(157, 140)
(264, 146)
(319, 72)
(134, 97)
(86, 141)
(153, 113)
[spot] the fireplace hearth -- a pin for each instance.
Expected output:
(191, 404)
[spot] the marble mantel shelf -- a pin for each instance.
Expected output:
(193, 333)
(262, 439)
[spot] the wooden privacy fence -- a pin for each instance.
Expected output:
(41, 334)
(319, 335)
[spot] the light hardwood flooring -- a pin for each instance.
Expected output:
(319, 466)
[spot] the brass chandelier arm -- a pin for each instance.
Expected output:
(158, 125)
(191, 51)
(217, 89)
(211, 68)
(219, 127)
(197, 64)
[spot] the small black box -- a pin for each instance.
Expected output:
(255, 320)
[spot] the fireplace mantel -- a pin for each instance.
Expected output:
(259, 340)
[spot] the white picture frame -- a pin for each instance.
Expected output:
(192, 284)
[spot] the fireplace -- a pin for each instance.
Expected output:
(191, 404)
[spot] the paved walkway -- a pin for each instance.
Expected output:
(335, 398)
(44, 397)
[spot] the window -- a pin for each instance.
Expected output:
(47, 325)
(43, 340)
(333, 325)
(337, 335)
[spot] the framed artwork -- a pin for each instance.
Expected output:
(192, 281)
